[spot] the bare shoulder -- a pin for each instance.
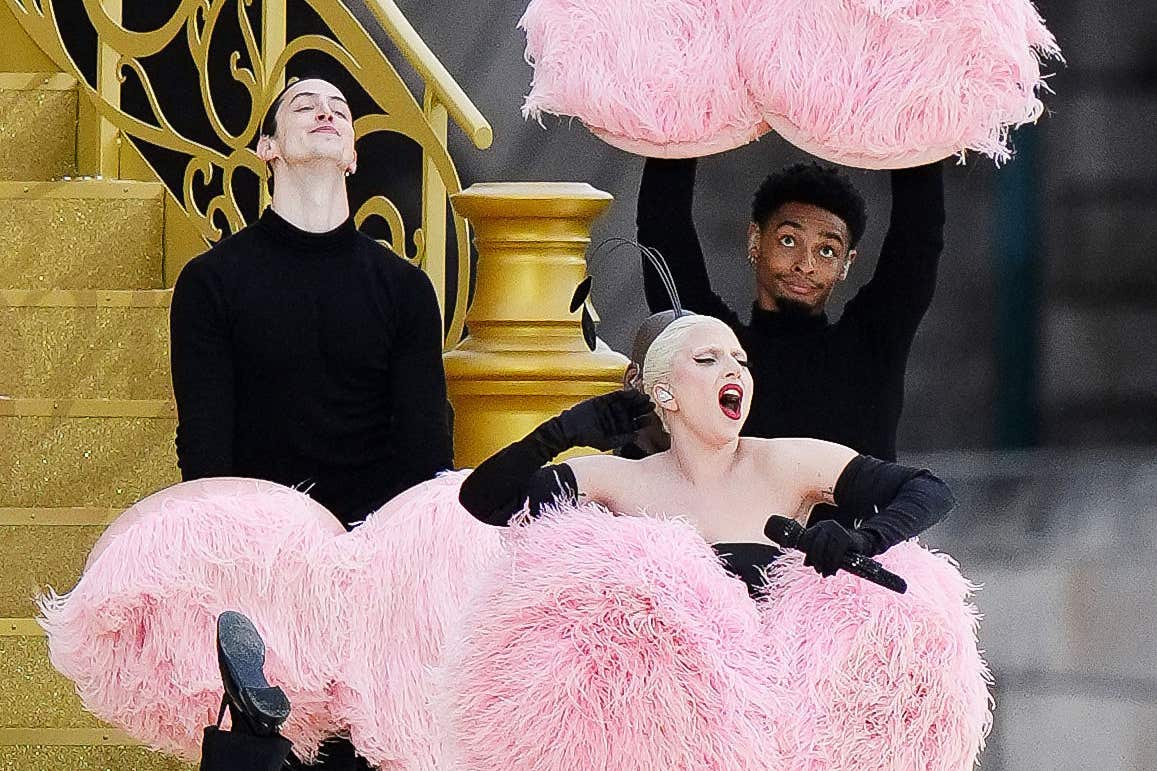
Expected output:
(599, 477)
(811, 466)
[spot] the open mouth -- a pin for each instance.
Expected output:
(731, 401)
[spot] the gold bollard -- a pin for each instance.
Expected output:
(524, 359)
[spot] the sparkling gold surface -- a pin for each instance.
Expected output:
(49, 758)
(36, 556)
(77, 243)
(32, 693)
(71, 461)
(525, 359)
(37, 134)
(117, 353)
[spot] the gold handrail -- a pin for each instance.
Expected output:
(108, 135)
(422, 59)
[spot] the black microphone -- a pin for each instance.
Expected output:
(786, 532)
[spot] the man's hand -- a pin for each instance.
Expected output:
(606, 422)
(827, 542)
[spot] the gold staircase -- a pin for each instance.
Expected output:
(86, 416)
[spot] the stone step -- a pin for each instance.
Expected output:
(81, 235)
(85, 452)
(38, 113)
(85, 344)
(45, 548)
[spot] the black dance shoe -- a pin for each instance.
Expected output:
(255, 706)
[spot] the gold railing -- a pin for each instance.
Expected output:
(259, 66)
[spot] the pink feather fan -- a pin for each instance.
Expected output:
(620, 643)
(353, 622)
(867, 83)
(136, 635)
(895, 83)
(652, 77)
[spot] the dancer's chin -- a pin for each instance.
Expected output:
(789, 306)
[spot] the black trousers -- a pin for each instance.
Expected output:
(235, 751)
(335, 755)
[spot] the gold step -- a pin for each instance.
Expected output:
(38, 112)
(85, 452)
(85, 344)
(43, 726)
(81, 234)
(45, 548)
(69, 757)
(32, 693)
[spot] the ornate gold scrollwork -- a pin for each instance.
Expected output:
(260, 69)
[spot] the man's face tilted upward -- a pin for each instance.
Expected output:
(313, 127)
(800, 253)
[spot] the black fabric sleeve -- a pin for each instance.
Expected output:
(421, 419)
(551, 485)
(890, 306)
(201, 356)
(498, 487)
(496, 490)
(895, 502)
(665, 222)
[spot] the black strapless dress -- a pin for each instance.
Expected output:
(747, 561)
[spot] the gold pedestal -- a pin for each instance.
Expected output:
(525, 359)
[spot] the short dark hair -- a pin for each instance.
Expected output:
(269, 122)
(813, 184)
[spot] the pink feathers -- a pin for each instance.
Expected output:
(656, 77)
(352, 621)
(620, 643)
(582, 640)
(869, 83)
(607, 642)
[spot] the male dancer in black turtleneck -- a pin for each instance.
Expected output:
(304, 352)
(843, 382)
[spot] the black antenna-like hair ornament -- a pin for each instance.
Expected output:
(582, 292)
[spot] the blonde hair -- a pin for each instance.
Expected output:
(660, 357)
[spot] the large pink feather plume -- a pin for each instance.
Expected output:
(137, 633)
(875, 680)
(608, 642)
(653, 77)
(403, 578)
(895, 83)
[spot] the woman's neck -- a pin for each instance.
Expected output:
(701, 463)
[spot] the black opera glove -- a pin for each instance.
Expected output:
(500, 485)
(605, 422)
(827, 542)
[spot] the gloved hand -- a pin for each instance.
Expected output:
(605, 422)
(827, 542)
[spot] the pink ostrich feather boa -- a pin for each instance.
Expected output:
(604, 642)
(352, 621)
(867, 83)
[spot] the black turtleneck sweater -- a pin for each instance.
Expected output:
(309, 359)
(842, 382)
